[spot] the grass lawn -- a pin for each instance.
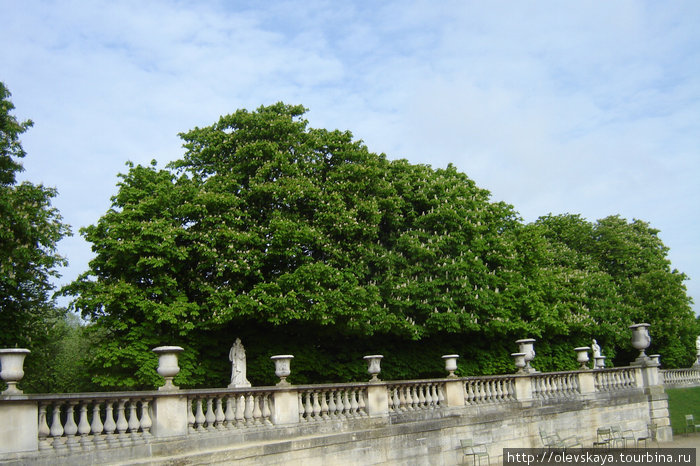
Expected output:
(682, 401)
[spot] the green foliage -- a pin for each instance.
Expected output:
(299, 240)
(29, 231)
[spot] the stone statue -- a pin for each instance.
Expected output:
(697, 344)
(596, 349)
(238, 369)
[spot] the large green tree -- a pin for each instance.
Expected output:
(29, 231)
(299, 240)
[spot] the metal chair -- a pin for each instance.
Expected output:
(603, 437)
(475, 451)
(650, 437)
(620, 438)
(690, 425)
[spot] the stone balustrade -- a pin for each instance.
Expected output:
(35, 427)
(216, 410)
(332, 402)
(414, 395)
(678, 377)
(495, 389)
(622, 378)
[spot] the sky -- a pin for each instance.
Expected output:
(589, 108)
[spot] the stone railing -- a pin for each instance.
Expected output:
(495, 389)
(94, 424)
(413, 395)
(622, 378)
(92, 420)
(556, 385)
(676, 377)
(332, 402)
(216, 410)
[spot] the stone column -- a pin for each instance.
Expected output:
(285, 407)
(377, 400)
(19, 429)
(169, 415)
(523, 388)
(454, 392)
(586, 382)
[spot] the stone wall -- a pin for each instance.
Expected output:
(400, 422)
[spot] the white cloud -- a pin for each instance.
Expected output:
(582, 107)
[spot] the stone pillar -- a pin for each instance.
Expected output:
(658, 401)
(586, 382)
(169, 415)
(377, 400)
(19, 428)
(454, 393)
(285, 407)
(523, 388)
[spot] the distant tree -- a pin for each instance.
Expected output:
(29, 231)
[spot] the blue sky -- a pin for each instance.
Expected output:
(554, 107)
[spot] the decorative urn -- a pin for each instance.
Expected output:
(519, 362)
(374, 366)
(582, 356)
(527, 346)
(640, 341)
(451, 364)
(283, 368)
(167, 365)
(12, 364)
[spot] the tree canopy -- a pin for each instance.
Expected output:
(300, 240)
(29, 231)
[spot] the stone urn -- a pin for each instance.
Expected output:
(12, 364)
(640, 342)
(283, 363)
(655, 360)
(527, 346)
(599, 362)
(451, 364)
(582, 356)
(374, 366)
(519, 362)
(167, 365)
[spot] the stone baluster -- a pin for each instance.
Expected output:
(110, 426)
(134, 422)
(397, 399)
(84, 425)
(191, 420)
(361, 404)
(240, 411)
(146, 421)
(248, 414)
(266, 412)
(122, 424)
(56, 428)
(257, 409)
(324, 405)
(199, 417)
(210, 416)
(316, 406)
(44, 431)
(230, 414)
(219, 416)
(70, 427)
(96, 426)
